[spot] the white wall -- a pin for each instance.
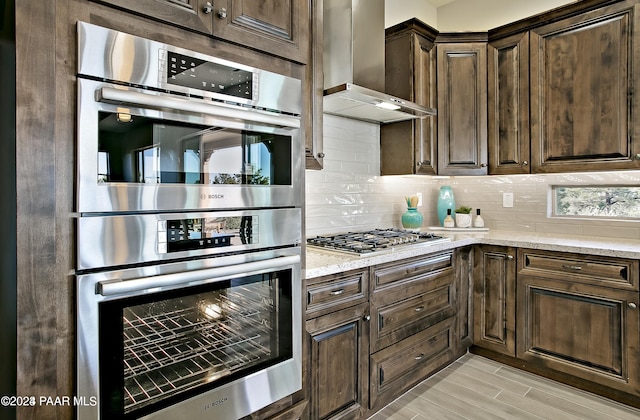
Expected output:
(349, 194)
(396, 11)
(474, 15)
(467, 15)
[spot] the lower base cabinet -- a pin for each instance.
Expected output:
(570, 317)
(339, 369)
(494, 298)
(372, 334)
(578, 316)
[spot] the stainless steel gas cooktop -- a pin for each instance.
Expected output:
(373, 241)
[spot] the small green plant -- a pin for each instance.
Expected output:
(463, 210)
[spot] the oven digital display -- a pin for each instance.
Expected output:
(190, 72)
(213, 232)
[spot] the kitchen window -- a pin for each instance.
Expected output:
(605, 202)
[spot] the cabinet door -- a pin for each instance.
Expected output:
(494, 299)
(280, 27)
(580, 330)
(464, 284)
(409, 147)
(314, 155)
(339, 363)
(508, 105)
(584, 112)
(462, 108)
(196, 15)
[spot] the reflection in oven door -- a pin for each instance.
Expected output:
(145, 150)
(169, 342)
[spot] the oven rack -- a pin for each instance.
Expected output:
(160, 325)
(205, 365)
(169, 352)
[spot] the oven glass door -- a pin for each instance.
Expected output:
(146, 157)
(161, 348)
(138, 149)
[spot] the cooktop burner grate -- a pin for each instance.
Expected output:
(377, 240)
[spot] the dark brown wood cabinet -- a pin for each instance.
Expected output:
(462, 108)
(279, 27)
(413, 323)
(339, 358)
(578, 316)
(409, 147)
(408, 310)
(508, 105)
(494, 298)
(584, 111)
(463, 266)
(314, 75)
(337, 330)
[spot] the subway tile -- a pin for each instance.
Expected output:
(350, 190)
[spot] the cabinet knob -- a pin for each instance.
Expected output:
(222, 13)
(207, 8)
(419, 357)
(320, 155)
(509, 257)
(483, 165)
(632, 305)
(337, 292)
(367, 318)
(525, 163)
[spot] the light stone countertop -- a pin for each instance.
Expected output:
(320, 262)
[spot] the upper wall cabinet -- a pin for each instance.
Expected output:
(462, 108)
(584, 113)
(508, 105)
(278, 27)
(409, 147)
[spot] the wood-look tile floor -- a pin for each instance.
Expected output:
(476, 388)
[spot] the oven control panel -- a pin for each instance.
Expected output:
(195, 73)
(201, 233)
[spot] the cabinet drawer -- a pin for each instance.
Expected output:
(336, 292)
(599, 271)
(397, 368)
(394, 321)
(388, 275)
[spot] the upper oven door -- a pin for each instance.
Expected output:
(143, 150)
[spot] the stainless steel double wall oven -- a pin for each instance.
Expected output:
(189, 200)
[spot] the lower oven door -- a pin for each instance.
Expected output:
(217, 338)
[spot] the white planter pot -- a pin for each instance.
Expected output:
(463, 220)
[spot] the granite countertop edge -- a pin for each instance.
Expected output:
(321, 263)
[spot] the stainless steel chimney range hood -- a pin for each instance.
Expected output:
(354, 65)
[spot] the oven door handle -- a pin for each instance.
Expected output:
(155, 101)
(121, 287)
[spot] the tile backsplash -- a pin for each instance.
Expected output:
(349, 193)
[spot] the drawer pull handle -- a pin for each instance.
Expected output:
(419, 308)
(572, 267)
(632, 305)
(337, 292)
(419, 357)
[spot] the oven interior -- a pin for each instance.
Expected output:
(179, 343)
